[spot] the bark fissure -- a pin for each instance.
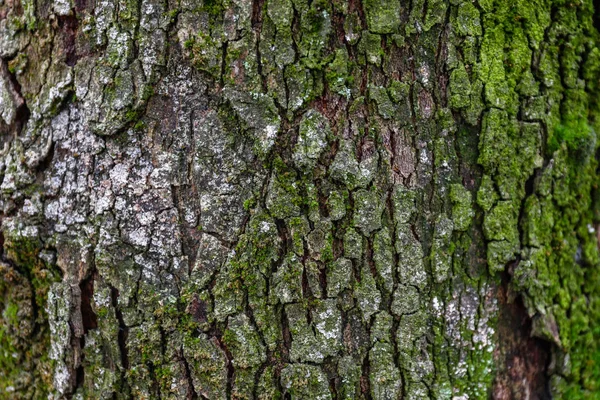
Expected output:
(278, 198)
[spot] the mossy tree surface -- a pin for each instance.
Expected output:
(299, 199)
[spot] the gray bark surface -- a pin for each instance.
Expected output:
(262, 199)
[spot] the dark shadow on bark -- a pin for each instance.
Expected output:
(597, 14)
(68, 25)
(123, 329)
(523, 360)
(88, 316)
(22, 113)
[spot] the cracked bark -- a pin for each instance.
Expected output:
(288, 199)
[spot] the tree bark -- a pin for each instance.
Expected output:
(261, 199)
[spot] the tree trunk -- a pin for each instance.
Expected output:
(295, 199)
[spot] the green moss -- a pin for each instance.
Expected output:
(208, 365)
(399, 91)
(385, 378)
(528, 86)
(339, 274)
(316, 27)
(406, 300)
(367, 211)
(299, 228)
(442, 249)
(10, 313)
(189, 43)
(467, 22)
(337, 203)
(462, 210)
(349, 371)
(460, 88)
(435, 13)
(305, 381)
(206, 53)
(140, 125)
(370, 49)
(244, 343)
(302, 87)
(249, 203)
(17, 65)
(384, 105)
(337, 73)
(556, 272)
(283, 199)
(382, 16)
(214, 8)
(383, 257)
(366, 294)
(8, 363)
(171, 15)
(287, 280)
(492, 68)
(147, 92)
(501, 222)
(353, 244)
(24, 334)
(31, 21)
(313, 342)
(575, 134)
(320, 242)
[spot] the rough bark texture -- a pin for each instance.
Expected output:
(261, 199)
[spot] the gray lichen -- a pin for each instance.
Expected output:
(236, 199)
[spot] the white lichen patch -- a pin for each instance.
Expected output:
(9, 100)
(312, 139)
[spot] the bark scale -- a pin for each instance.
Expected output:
(259, 199)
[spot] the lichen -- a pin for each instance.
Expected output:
(312, 139)
(383, 17)
(276, 199)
